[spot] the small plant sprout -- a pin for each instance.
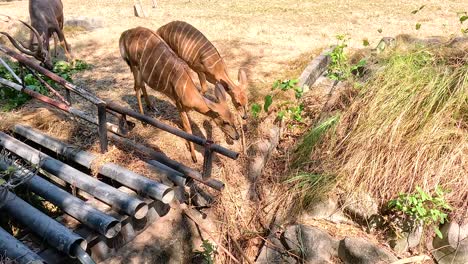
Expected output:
(365, 42)
(423, 207)
(287, 109)
(463, 18)
(339, 68)
(208, 252)
(417, 10)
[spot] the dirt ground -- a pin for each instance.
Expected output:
(263, 37)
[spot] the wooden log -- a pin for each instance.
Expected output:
(189, 172)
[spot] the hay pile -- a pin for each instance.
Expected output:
(407, 127)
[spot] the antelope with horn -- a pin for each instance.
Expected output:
(153, 62)
(40, 52)
(202, 57)
(47, 18)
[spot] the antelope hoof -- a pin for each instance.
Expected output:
(152, 108)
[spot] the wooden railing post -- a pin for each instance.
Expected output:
(102, 130)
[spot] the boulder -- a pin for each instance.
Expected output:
(85, 23)
(311, 244)
(409, 238)
(326, 208)
(453, 247)
(360, 206)
(361, 251)
(273, 252)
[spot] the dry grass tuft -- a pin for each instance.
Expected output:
(407, 128)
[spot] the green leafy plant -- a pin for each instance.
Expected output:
(339, 68)
(66, 70)
(12, 99)
(255, 109)
(463, 18)
(287, 109)
(423, 207)
(209, 250)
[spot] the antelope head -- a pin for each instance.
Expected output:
(40, 52)
(221, 114)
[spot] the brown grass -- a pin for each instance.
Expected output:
(407, 128)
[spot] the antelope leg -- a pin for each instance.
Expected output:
(64, 44)
(202, 78)
(186, 126)
(55, 45)
(138, 86)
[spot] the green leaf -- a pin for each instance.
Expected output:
(281, 114)
(418, 26)
(275, 85)
(255, 109)
(268, 102)
(417, 10)
(463, 19)
(438, 233)
(365, 42)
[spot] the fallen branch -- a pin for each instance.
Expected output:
(414, 259)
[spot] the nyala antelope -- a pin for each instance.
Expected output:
(202, 57)
(153, 62)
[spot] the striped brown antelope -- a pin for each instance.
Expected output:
(202, 56)
(153, 62)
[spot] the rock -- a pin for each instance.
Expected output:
(453, 247)
(315, 68)
(84, 22)
(360, 206)
(138, 10)
(361, 251)
(273, 252)
(326, 208)
(411, 237)
(311, 243)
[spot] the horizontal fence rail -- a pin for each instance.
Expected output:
(197, 140)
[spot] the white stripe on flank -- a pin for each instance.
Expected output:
(148, 58)
(169, 77)
(214, 64)
(174, 35)
(191, 48)
(180, 43)
(176, 83)
(144, 49)
(185, 86)
(200, 47)
(214, 53)
(154, 66)
(137, 44)
(162, 72)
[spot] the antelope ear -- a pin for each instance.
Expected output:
(220, 93)
(212, 106)
(242, 77)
